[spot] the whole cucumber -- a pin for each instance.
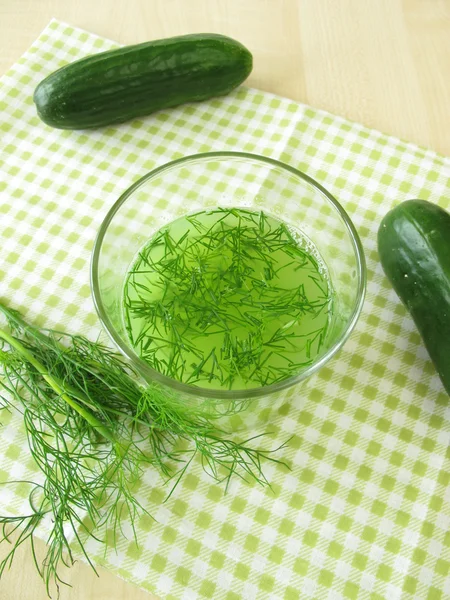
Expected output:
(134, 81)
(414, 248)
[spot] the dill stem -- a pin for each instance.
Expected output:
(58, 388)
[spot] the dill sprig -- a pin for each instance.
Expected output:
(91, 429)
(227, 298)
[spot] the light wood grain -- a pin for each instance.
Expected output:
(384, 63)
(22, 582)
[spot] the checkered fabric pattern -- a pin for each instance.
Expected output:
(364, 512)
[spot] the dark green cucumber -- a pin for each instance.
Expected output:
(134, 81)
(414, 248)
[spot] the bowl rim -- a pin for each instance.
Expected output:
(150, 374)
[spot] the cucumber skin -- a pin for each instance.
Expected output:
(414, 249)
(134, 81)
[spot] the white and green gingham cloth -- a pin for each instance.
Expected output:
(365, 511)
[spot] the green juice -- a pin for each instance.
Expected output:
(228, 299)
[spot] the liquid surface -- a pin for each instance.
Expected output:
(228, 298)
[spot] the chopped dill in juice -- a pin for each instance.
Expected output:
(228, 298)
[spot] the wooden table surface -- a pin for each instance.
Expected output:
(384, 63)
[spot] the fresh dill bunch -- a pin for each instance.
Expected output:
(91, 429)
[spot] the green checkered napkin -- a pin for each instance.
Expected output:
(365, 511)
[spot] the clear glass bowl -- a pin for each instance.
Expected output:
(227, 179)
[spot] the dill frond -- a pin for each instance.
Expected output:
(92, 429)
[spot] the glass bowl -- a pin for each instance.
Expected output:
(226, 179)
